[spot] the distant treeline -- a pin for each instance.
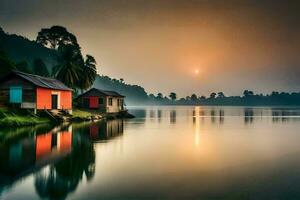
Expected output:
(248, 98)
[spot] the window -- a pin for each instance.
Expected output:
(119, 102)
(101, 101)
(15, 95)
(110, 101)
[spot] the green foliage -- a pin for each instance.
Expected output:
(194, 97)
(19, 48)
(159, 96)
(14, 117)
(6, 64)
(2, 114)
(81, 113)
(248, 93)
(15, 121)
(213, 95)
(248, 98)
(69, 69)
(23, 67)
(173, 96)
(40, 68)
(89, 72)
(56, 36)
(220, 95)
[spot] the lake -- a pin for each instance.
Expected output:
(166, 152)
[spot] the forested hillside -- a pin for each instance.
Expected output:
(21, 49)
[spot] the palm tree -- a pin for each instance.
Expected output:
(159, 96)
(69, 69)
(194, 97)
(173, 96)
(89, 72)
(221, 95)
(212, 95)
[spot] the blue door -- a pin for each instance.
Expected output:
(15, 95)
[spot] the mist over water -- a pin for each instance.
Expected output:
(164, 153)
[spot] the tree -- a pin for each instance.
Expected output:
(89, 72)
(56, 36)
(151, 96)
(221, 95)
(275, 94)
(159, 96)
(6, 64)
(69, 69)
(23, 67)
(40, 68)
(173, 96)
(212, 95)
(72, 69)
(194, 97)
(248, 93)
(202, 97)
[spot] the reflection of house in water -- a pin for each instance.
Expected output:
(51, 145)
(68, 154)
(106, 130)
(28, 154)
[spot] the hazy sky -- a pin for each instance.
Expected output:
(235, 44)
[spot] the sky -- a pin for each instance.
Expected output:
(182, 46)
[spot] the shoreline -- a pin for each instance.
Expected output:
(15, 118)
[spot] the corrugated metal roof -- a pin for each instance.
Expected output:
(102, 92)
(43, 82)
(111, 93)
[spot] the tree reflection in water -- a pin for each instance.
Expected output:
(59, 158)
(63, 177)
(58, 180)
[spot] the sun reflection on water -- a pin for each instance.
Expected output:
(197, 126)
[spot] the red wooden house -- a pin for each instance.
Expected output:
(35, 92)
(102, 100)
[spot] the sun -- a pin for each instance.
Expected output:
(196, 71)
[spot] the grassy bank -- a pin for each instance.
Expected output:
(86, 115)
(16, 118)
(81, 113)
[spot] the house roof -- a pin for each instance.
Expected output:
(41, 81)
(95, 91)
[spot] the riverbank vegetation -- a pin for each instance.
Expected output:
(17, 118)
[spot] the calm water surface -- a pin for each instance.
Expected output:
(164, 153)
